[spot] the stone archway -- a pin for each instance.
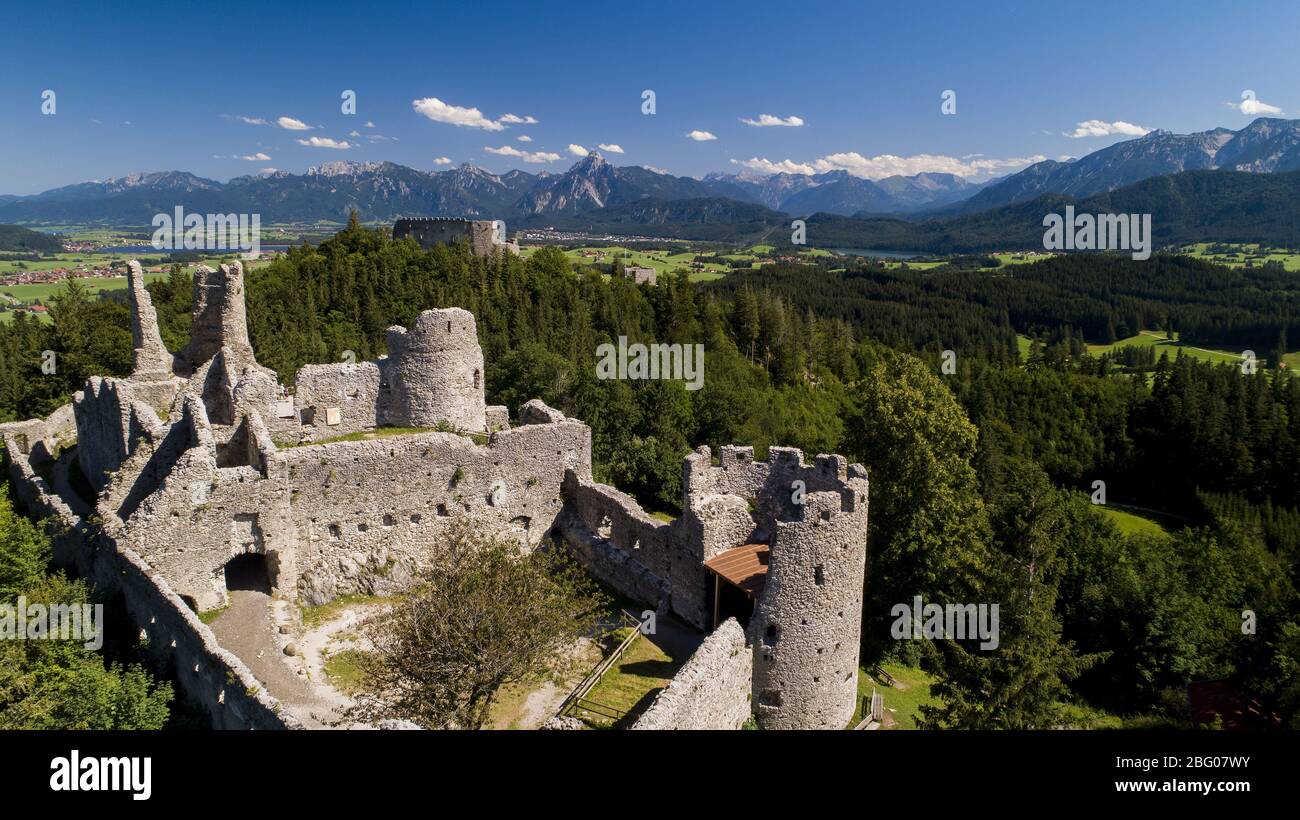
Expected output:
(251, 572)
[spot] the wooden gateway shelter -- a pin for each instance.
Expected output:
(739, 575)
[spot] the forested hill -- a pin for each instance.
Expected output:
(1193, 206)
(1101, 298)
(15, 238)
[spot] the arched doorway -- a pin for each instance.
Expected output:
(249, 571)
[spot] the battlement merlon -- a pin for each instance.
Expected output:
(739, 473)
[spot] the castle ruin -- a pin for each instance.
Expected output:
(483, 236)
(200, 457)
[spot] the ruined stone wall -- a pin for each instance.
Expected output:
(41, 438)
(111, 423)
(179, 645)
(366, 512)
(807, 622)
(478, 233)
(436, 373)
(219, 319)
(352, 388)
(152, 362)
(187, 516)
(712, 691)
(621, 543)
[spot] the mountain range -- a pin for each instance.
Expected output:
(1187, 207)
(386, 190)
(1267, 145)
(595, 193)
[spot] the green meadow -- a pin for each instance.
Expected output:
(1135, 521)
(1162, 344)
(1238, 255)
(664, 262)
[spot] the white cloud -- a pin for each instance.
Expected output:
(442, 161)
(577, 150)
(439, 111)
(1101, 128)
(354, 133)
(768, 120)
(258, 157)
(700, 136)
(534, 157)
(290, 124)
(513, 119)
(785, 166)
(611, 147)
(244, 119)
(1254, 107)
(524, 138)
(369, 124)
(888, 165)
(325, 142)
(269, 171)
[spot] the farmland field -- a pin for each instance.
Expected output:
(1241, 254)
(664, 262)
(1158, 340)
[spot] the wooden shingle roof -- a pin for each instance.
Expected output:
(744, 567)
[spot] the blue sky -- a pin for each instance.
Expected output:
(144, 87)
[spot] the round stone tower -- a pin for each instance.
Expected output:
(437, 372)
(807, 621)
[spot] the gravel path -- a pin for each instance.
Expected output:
(248, 629)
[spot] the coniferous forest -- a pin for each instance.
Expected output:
(982, 479)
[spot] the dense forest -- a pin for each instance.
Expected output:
(980, 477)
(15, 238)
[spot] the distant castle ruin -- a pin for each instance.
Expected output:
(159, 480)
(483, 236)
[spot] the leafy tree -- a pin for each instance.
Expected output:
(929, 531)
(1022, 683)
(483, 615)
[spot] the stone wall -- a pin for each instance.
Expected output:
(111, 423)
(179, 645)
(152, 362)
(712, 691)
(364, 513)
(479, 234)
(634, 552)
(352, 388)
(335, 518)
(219, 317)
